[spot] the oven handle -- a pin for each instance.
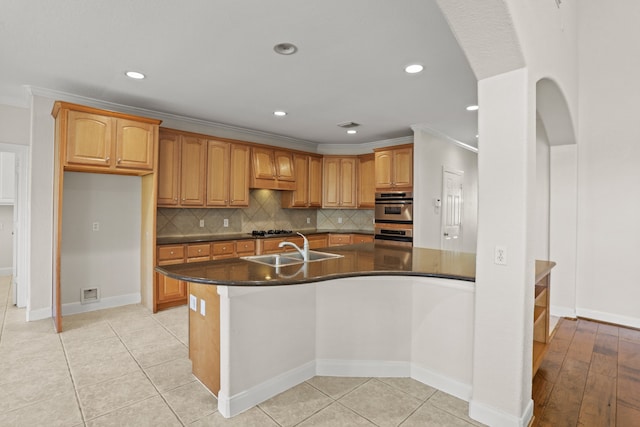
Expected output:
(394, 202)
(393, 221)
(394, 238)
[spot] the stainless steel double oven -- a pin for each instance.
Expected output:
(394, 218)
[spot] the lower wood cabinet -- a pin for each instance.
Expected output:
(204, 336)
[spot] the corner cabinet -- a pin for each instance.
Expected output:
(94, 140)
(340, 182)
(394, 168)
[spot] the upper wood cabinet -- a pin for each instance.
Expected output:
(181, 171)
(227, 174)
(394, 167)
(93, 140)
(340, 182)
(366, 181)
(308, 183)
(272, 169)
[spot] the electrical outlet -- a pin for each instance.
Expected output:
(225, 222)
(203, 310)
(193, 302)
(202, 223)
(96, 226)
(340, 220)
(500, 255)
(308, 220)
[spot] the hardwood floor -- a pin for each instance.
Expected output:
(590, 377)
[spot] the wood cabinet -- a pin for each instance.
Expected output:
(362, 238)
(394, 168)
(272, 169)
(169, 292)
(339, 239)
(541, 336)
(318, 241)
(181, 171)
(204, 336)
(271, 245)
(340, 182)
(308, 183)
(93, 140)
(227, 174)
(366, 181)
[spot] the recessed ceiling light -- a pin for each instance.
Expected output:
(280, 113)
(352, 131)
(285, 48)
(413, 68)
(472, 108)
(134, 75)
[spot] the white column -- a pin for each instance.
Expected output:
(502, 359)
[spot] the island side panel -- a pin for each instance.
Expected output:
(204, 336)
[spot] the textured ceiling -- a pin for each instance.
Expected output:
(213, 60)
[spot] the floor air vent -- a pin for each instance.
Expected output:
(89, 295)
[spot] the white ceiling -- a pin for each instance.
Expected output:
(213, 60)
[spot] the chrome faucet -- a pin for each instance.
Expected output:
(303, 252)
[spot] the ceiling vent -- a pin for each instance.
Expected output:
(348, 125)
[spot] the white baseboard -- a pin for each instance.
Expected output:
(496, 418)
(6, 271)
(109, 302)
(230, 406)
(38, 314)
(362, 368)
(560, 311)
(632, 322)
(441, 382)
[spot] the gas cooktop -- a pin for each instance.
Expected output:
(263, 233)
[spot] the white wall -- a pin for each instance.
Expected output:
(609, 162)
(14, 125)
(431, 153)
(6, 239)
(541, 235)
(109, 258)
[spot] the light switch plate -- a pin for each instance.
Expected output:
(193, 302)
(203, 310)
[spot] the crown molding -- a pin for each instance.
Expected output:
(429, 130)
(363, 148)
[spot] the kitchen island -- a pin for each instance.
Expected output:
(384, 311)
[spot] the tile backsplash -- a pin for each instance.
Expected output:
(264, 213)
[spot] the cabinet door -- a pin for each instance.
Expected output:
(168, 169)
(170, 289)
(300, 196)
(384, 169)
(331, 182)
(366, 181)
(315, 181)
(285, 169)
(217, 173)
(263, 163)
(348, 185)
(239, 175)
(134, 144)
(192, 170)
(89, 139)
(339, 239)
(403, 167)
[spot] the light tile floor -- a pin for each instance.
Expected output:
(128, 367)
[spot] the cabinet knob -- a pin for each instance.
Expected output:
(171, 252)
(176, 199)
(118, 161)
(108, 158)
(224, 248)
(199, 250)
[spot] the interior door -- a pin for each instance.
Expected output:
(452, 206)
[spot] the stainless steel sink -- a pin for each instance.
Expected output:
(289, 258)
(314, 256)
(275, 260)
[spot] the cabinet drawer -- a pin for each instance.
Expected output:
(244, 247)
(223, 248)
(199, 251)
(170, 254)
(362, 238)
(339, 239)
(270, 246)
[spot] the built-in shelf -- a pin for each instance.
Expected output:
(541, 312)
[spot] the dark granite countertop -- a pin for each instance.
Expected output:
(176, 240)
(365, 259)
